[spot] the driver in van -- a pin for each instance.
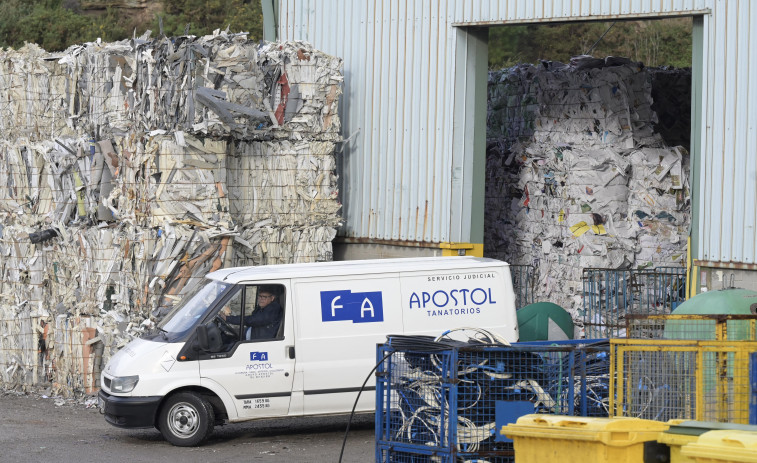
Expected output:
(264, 321)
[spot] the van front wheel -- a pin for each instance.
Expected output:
(186, 419)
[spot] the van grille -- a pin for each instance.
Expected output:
(106, 382)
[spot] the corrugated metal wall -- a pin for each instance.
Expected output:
(728, 188)
(398, 90)
(399, 93)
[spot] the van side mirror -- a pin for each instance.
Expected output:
(202, 338)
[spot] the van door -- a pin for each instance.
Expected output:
(340, 321)
(254, 359)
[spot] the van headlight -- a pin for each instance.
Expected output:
(123, 383)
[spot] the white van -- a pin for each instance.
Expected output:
(206, 363)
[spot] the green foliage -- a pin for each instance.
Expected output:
(54, 26)
(11, 12)
(57, 24)
(654, 43)
(505, 48)
(204, 16)
(53, 29)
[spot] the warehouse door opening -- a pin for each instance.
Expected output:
(588, 166)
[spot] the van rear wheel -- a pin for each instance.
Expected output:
(186, 419)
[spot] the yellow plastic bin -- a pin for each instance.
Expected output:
(684, 432)
(723, 446)
(680, 433)
(544, 438)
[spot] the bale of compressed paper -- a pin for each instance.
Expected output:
(132, 169)
(225, 84)
(511, 104)
(284, 182)
(33, 87)
(592, 186)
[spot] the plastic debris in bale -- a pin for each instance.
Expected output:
(592, 186)
(225, 84)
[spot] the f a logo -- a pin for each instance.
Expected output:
(365, 307)
(258, 356)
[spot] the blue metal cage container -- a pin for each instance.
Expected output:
(449, 405)
(610, 295)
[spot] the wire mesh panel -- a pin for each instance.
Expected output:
(659, 385)
(663, 380)
(753, 391)
(606, 296)
(663, 287)
(394, 455)
(449, 404)
(716, 327)
(610, 295)
(523, 284)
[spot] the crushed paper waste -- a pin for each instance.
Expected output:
(129, 170)
(577, 176)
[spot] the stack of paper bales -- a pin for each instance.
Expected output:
(129, 170)
(592, 185)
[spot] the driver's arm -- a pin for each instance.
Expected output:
(225, 313)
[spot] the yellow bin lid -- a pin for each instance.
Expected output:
(676, 439)
(620, 431)
(724, 445)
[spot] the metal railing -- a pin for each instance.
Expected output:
(703, 327)
(523, 284)
(610, 295)
(692, 380)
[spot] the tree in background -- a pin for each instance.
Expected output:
(43, 22)
(654, 42)
(57, 24)
(201, 17)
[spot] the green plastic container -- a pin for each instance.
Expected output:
(544, 321)
(726, 301)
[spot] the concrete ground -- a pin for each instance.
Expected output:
(34, 428)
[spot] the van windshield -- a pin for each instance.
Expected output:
(192, 307)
